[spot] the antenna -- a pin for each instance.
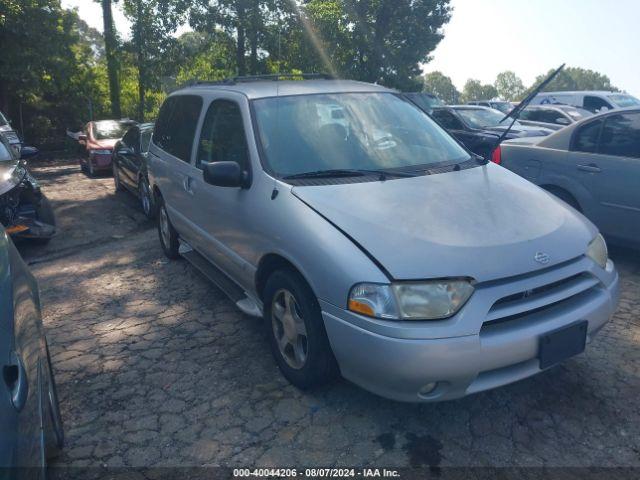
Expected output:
(515, 113)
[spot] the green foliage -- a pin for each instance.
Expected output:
(442, 87)
(575, 78)
(474, 90)
(509, 86)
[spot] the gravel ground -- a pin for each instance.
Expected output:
(155, 367)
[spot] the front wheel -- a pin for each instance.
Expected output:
(296, 333)
(166, 232)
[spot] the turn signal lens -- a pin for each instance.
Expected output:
(359, 307)
(597, 251)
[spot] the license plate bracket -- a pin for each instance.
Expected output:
(562, 344)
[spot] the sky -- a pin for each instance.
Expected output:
(529, 37)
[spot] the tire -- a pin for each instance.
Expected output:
(91, 171)
(116, 179)
(54, 429)
(146, 198)
(45, 214)
(310, 363)
(166, 232)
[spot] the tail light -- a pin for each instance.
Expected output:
(496, 155)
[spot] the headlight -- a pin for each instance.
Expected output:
(597, 251)
(100, 152)
(430, 300)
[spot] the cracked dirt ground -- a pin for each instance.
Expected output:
(155, 367)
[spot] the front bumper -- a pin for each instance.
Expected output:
(101, 161)
(398, 361)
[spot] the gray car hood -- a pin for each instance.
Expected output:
(484, 222)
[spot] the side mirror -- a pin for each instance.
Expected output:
(225, 174)
(28, 152)
(562, 121)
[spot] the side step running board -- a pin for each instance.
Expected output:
(221, 280)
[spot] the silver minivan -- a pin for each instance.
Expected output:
(371, 242)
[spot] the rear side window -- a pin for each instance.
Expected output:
(223, 137)
(621, 136)
(176, 125)
(586, 138)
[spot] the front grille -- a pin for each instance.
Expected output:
(525, 303)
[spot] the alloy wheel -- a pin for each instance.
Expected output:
(289, 329)
(145, 197)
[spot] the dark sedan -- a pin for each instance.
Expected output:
(30, 423)
(478, 128)
(130, 165)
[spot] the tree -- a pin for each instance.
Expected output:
(575, 78)
(368, 40)
(442, 87)
(152, 24)
(509, 86)
(111, 46)
(474, 90)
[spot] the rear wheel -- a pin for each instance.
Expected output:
(295, 330)
(54, 433)
(168, 235)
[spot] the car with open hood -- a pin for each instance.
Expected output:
(370, 242)
(25, 211)
(479, 128)
(97, 141)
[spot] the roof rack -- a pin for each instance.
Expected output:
(272, 77)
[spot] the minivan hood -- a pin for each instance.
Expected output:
(484, 222)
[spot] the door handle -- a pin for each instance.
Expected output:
(592, 168)
(15, 377)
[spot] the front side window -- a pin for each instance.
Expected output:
(621, 136)
(375, 131)
(586, 138)
(223, 137)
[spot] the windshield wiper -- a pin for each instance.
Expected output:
(348, 172)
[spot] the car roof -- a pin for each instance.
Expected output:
(274, 88)
(582, 92)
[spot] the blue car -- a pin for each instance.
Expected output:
(30, 423)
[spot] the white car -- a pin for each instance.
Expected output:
(594, 101)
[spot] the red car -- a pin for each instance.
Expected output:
(98, 140)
